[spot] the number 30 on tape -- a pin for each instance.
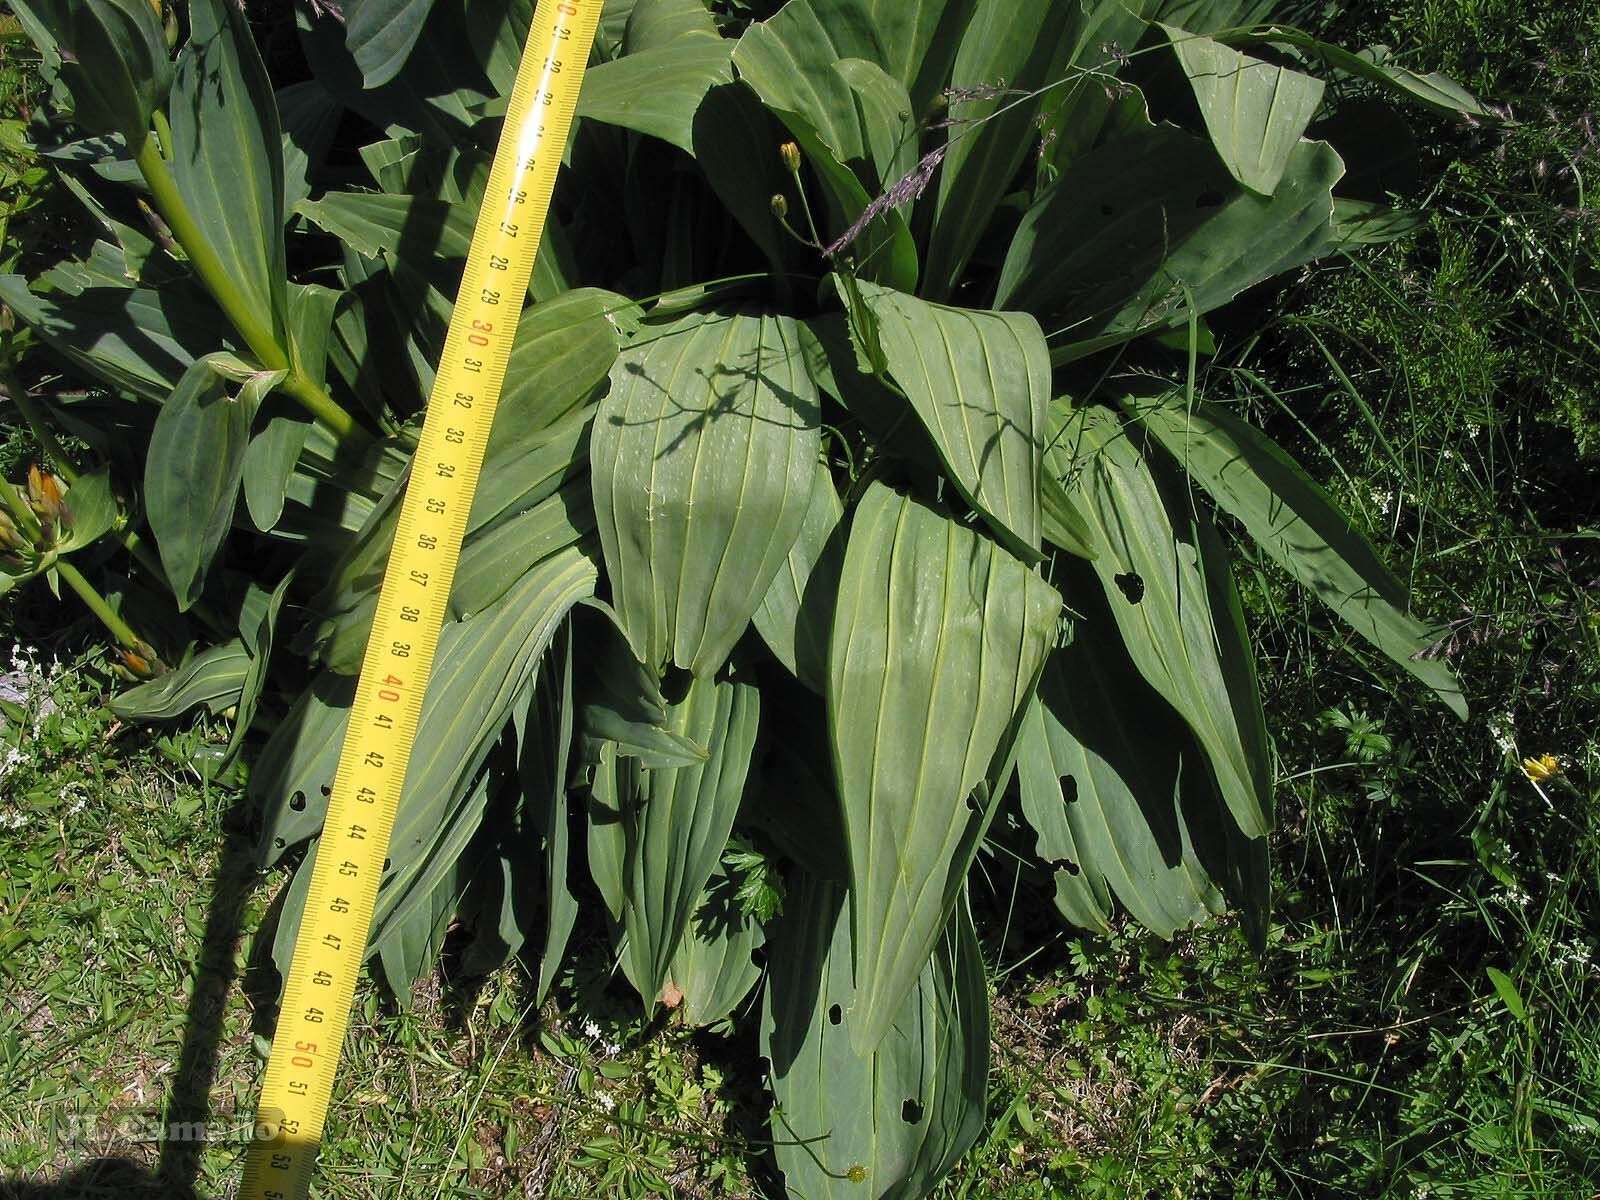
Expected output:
(331, 942)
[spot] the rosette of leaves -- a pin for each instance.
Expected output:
(856, 498)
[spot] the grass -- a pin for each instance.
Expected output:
(1426, 1020)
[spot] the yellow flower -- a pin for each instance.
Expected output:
(790, 153)
(1542, 769)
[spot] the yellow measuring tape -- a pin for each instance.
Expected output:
(332, 940)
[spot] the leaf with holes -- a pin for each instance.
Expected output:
(898, 1117)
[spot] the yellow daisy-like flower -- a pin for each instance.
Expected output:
(1542, 769)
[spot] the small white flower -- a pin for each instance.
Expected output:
(605, 1100)
(1504, 732)
(590, 1029)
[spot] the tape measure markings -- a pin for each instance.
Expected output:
(331, 942)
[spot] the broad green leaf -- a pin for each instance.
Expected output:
(1117, 789)
(735, 143)
(268, 462)
(657, 91)
(91, 511)
(227, 156)
(1255, 111)
(714, 968)
(416, 904)
(797, 611)
(620, 700)
(938, 638)
(655, 23)
(1108, 251)
(110, 54)
(311, 311)
(1155, 581)
(886, 118)
(214, 678)
(980, 382)
(789, 62)
(377, 223)
(481, 668)
(1213, 17)
(702, 458)
(137, 340)
(663, 829)
(192, 474)
(891, 1123)
(1299, 526)
(381, 35)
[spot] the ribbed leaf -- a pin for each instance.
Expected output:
(227, 155)
(702, 458)
(980, 382)
(381, 34)
(789, 62)
(1117, 789)
(890, 1124)
(938, 637)
(482, 666)
(1300, 527)
(657, 91)
(662, 830)
(620, 700)
(1108, 250)
(137, 340)
(1255, 111)
(112, 56)
(192, 474)
(213, 678)
(1184, 645)
(268, 462)
(797, 611)
(535, 901)
(714, 968)
(1008, 49)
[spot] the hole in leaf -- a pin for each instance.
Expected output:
(759, 956)
(1131, 586)
(1067, 865)
(386, 863)
(1069, 789)
(835, 1015)
(298, 802)
(326, 789)
(910, 1111)
(972, 802)
(1208, 200)
(278, 843)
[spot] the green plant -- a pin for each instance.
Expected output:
(851, 465)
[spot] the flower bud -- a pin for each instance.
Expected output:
(780, 206)
(790, 153)
(10, 536)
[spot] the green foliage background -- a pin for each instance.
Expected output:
(1371, 1052)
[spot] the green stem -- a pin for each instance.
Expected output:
(119, 628)
(257, 334)
(42, 433)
